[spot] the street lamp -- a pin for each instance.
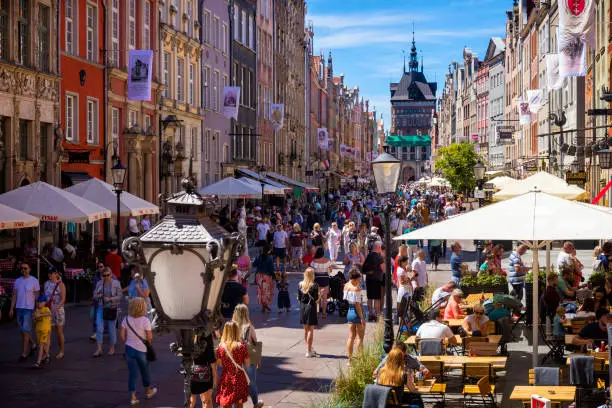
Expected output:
(186, 263)
(386, 170)
(118, 173)
(262, 176)
(479, 172)
(605, 159)
(575, 166)
(479, 175)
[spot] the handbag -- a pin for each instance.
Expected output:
(248, 380)
(201, 374)
(151, 355)
(109, 313)
(255, 348)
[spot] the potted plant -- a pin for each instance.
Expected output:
(484, 282)
(598, 278)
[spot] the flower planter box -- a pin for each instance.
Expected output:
(485, 289)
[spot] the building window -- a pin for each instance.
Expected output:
(115, 127)
(180, 72)
(236, 24)
(215, 150)
(243, 80)
(92, 32)
(215, 91)
(147, 123)
(43, 38)
(23, 30)
(243, 23)
(207, 27)
(252, 95)
(189, 19)
(132, 24)
(24, 130)
(146, 25)
(44, 149)
(174, 14)
(207, 141)
(194, 142)
(191, 86)
(114, 57)
(71, 117)
(224, 38)
(251, 37)
(70, 9)
(166, 74)
(132, 118)
(92, 121)
(206, 85)
(216, 34)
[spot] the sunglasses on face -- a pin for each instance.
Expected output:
(106, 275)
(478, 313)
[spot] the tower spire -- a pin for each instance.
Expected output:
(413, 65)
(404, 52)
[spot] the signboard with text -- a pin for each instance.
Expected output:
(539, 402)
(577, 179)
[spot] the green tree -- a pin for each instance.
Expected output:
(457, 162)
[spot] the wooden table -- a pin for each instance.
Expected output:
(607, 360)
(556, 393)
(423, 388)
(497, 363)
(453, 322)
(474, 299)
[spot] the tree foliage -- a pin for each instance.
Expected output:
(457, 162)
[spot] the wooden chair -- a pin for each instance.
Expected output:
(484, 389)
(436, 368)
(393, 400)
(490, 328)
(467, 342)
(532, 376)
(472, 371)
(442, 346)
(483, 349)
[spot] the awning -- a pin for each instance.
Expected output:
(408, 140)
(255, 176)
(305, 187)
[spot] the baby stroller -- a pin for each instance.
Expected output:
(336, 295)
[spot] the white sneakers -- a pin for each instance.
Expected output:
(311, 354)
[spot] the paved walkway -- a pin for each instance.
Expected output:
(287, 379)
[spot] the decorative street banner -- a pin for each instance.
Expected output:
(534, 98)
(330, 143)
(356, 152)
(576, 28)
(555, 81)
(475, 137)
(342, 150)
(369, 156)
(524, 112)
(277, 114)
(140, 72)
(322, 138)
(231, 96)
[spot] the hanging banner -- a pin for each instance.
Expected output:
(140, 74)
(369, 156)
(554, 79)
(231, 96)
(277, 114)
(357, 153)
(349, 152)
(534, 98)
(330, 143)
(576, 28)
(524, 112)
(342, 150)
(322, 138)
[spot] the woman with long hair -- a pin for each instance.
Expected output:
(264, 276)
(248, 335)
(322, 267)
(232, 354)
(204, 372)
(356, 321)
(394, 374)
(353, 258)
(317, 236)
(308, 297)
(333, 241)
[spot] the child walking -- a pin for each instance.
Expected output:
(42, 319)
(284, 302)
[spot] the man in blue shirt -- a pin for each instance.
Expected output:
(456, 263)
(517, 272)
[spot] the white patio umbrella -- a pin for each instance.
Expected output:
(50, 203)
(11, 218)
(545, 182)
(502, 182)
(231, 187)
(103, 194)
(269, 189)
(439, 182)
(533, 218)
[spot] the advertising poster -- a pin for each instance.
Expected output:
(277, 114)
(140, 73)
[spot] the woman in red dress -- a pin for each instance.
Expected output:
(232, 354)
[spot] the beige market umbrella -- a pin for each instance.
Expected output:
(544, 182)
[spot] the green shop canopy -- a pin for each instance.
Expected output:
(408, 140)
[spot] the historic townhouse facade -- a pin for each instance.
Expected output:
(131, 125)
(31, 128)
(214, 34)
(181, 59)
(82, 61)
(494, 60)
(265, 82)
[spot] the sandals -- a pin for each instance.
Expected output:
(134, 402)
(59, 356)
(151, 394)
(37, 365)
(97, 354)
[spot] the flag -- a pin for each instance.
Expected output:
(231, 96)
(140, 72)
(322, 138)
(534, 98)
(325, 164)
(524, 112)
(576, 29)
(554, 80)
(277, 113)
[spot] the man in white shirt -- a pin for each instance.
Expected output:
(435, 329)
(443, 292)
(70, 250)
(25, 292)
(262, 231)
(564, 258)
(133, 227)
(280, 244)
(419, 267)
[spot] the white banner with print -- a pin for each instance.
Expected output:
(524, 112)
(231, 97)
(576, 29)
(322, 138)
(277, 115)
(140, 73)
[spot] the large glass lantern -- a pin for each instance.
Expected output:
(479, 171)
(186, 262)
(386, 170)
(118, 172)
(605, 158)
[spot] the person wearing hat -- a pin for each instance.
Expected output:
(42, 317)
(453, 308)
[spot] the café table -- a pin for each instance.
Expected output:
(497, 362)
(475, 299)
(424, 387)
(453, 322)
(561, 393)
(411, 341)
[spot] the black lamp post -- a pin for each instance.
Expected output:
(479, 174)
(356, 178)
(118, 172)
(186, 262)
(262, 176)
(386, 170)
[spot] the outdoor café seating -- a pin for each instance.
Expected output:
(483, 392)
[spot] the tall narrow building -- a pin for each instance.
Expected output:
(413, 102)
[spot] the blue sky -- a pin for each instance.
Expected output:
(367, 37)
